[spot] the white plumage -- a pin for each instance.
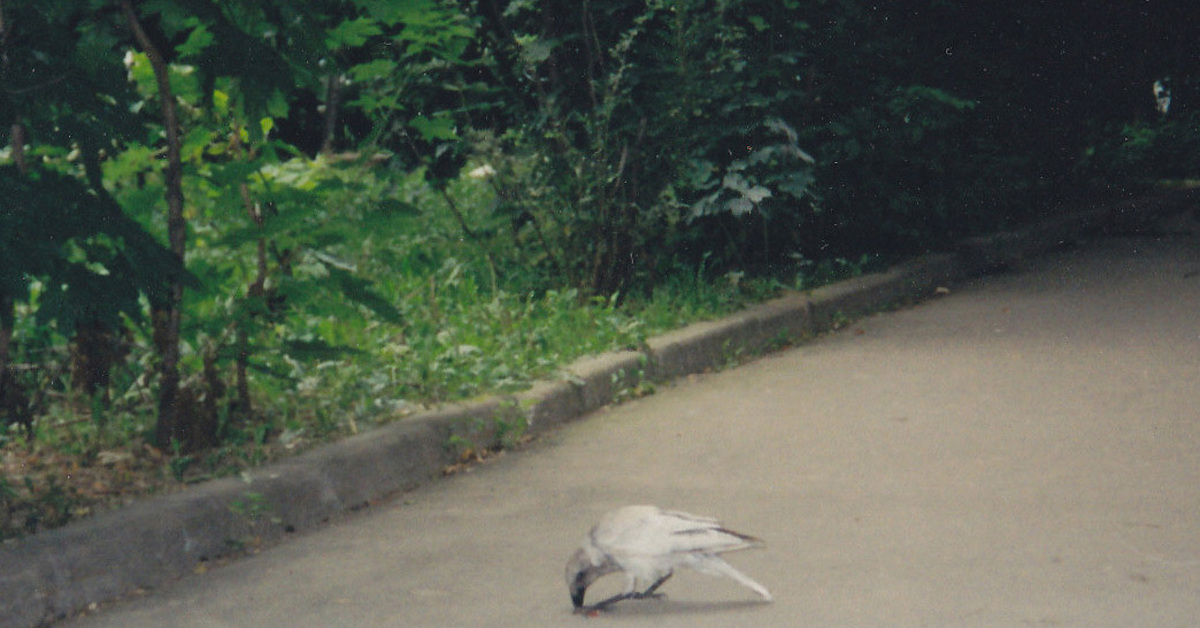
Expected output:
(648, 544)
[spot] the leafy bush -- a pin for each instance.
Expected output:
(1166, 147)
(668, 115)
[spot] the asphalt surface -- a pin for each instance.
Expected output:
(1024, 451)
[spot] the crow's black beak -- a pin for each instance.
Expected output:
(579, 588)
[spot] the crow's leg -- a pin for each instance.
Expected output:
(603, 604)
(628, 595)
(650, 592)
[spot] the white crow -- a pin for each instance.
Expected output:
(648, 544)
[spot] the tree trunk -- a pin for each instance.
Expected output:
(167, 316)
(333, 101)
(94, 350)
(14, 405)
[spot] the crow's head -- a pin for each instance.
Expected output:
(581, 572)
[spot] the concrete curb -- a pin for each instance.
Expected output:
(63, 571)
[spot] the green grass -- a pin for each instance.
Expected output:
(474, 320)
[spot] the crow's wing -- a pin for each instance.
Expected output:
(647, 531)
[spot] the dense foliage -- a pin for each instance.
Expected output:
(227, 223)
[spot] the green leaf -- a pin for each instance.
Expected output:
(359, 290)
(199, 39)
(353, 33)
(435, 128)
(317, 350)
(535, 50)
(232, 173)
(220, 100)
(392, 12)
(277, 105)
(142, 74)
(196, 143)
(372, 70)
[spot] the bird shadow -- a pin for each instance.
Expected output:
(650, 608)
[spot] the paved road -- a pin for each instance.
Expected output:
(1022, 452)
